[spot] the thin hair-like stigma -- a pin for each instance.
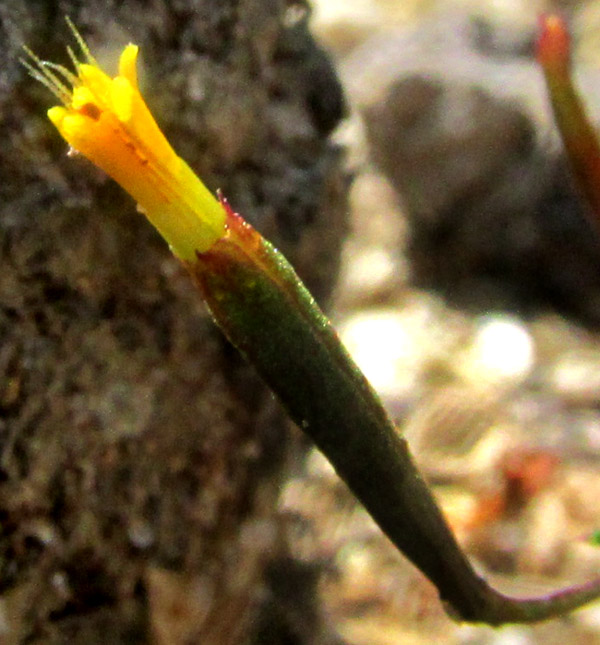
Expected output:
(52, 75)
(63, 71)
(41, 71)
(85, 50)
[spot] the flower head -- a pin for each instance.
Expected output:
(107, 121)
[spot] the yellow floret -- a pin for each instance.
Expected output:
(107, 121)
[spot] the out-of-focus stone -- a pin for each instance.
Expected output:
(575, 377)
(450, 433)
(342, 25)
(396, 347)
(376, 216)
(544, 547)
(373, 263)
(586, 30)
(369, 275)
(465, 134)
(581, 492)
(556, 335)
(501, 351)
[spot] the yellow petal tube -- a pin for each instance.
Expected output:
(107, 121)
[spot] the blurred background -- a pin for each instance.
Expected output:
(470, 296)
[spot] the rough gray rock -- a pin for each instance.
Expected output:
(140, 459)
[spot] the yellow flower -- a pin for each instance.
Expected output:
(107, 120)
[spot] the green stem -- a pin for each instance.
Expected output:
(263, 308)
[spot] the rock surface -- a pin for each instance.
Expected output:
(140, 459)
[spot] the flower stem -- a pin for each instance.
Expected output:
(266, 312)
